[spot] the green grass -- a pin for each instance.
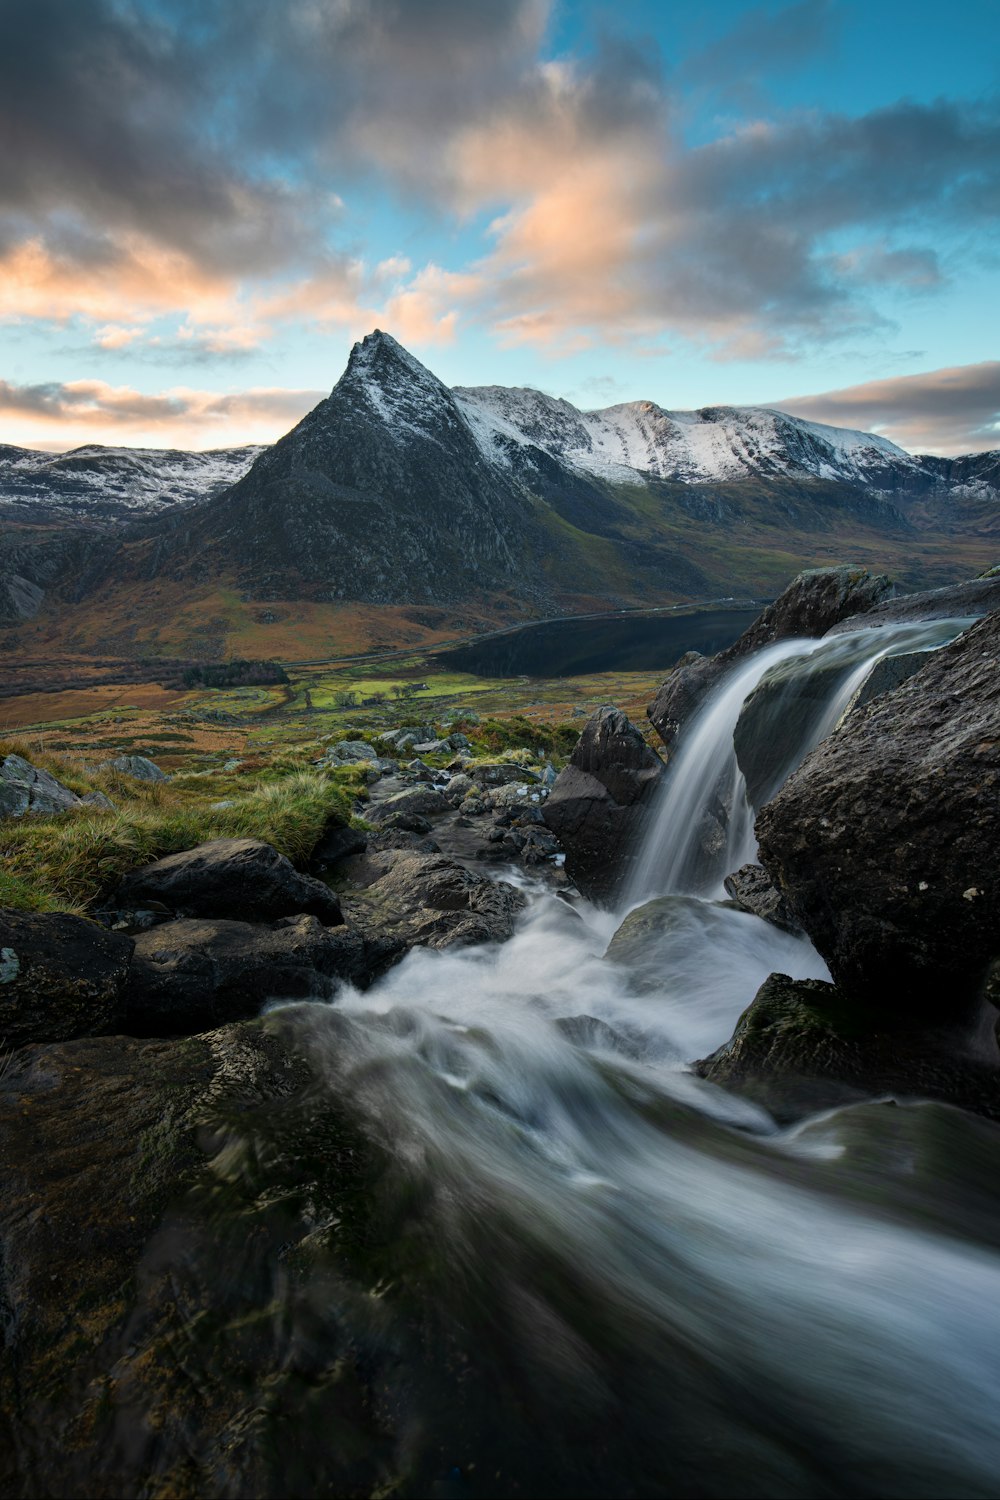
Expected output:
(70, 861)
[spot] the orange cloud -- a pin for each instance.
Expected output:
(91, 411)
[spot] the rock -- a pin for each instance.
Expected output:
(973, 598)
(338, 842)
(433, 747)
(753, 890)
(192, 975)
(499, 773)
(459, 742)
(599, 803)
(98, 800)
(60, 977)
(888, 672)
(814, 602)
(422, 802)
(884, 841)
(156, 1191)
(802, 1046)
(458, 788)
(243, 879)
(138, 766)
(516, 794)
(351, 752)
(24, 788)
(397, 837)
(432, 901)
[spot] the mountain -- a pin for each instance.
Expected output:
(101, 483)
(398, 506)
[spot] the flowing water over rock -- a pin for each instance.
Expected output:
(632, 1283)
(703, 827)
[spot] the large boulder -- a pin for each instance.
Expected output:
(802, 1046)
(60, 977)
(429, 900)
(813, 602)
(140, 767)
(352, 752)
(884, 841)
(25, 788)
(600, 802)
(972, 598)
(191, 975)
(244, 879)
(415, 802)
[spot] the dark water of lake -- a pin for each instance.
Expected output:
(574, 648)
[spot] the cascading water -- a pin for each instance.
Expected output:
(629, 1282)
(706, 784)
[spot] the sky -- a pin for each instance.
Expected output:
(202, 206)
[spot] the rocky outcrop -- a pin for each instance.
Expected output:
(192, 975)
(813, 602)
(802, 1046)
(60, 977)
(25, 788)
(599, 803)
(754, 891)
(243, 879)
(429, 900)
(976, 596)
(884, 841)
(138, 766)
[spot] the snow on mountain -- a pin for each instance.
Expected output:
(117, 481)
(624, 443)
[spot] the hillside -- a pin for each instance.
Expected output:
(401, 511)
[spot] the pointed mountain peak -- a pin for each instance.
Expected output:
(391, 382)
(381, 356)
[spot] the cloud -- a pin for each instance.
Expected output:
(763, 42)
(947, 411)
(169, 160)
(93, 411)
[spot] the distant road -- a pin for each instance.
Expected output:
(486, 635)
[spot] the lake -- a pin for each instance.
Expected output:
(622, 643)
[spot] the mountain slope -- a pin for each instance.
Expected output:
(438, 507)
(115, 483)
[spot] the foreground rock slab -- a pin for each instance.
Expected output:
(191, 975)
(25, 788)
(884, 841)
(243, 879)
(600, 802)
(60, 976)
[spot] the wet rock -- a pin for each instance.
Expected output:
(600, 801)
(888, 672)
(153, 1196)
(422, 802)
(431, 901)
(236, 878)
(754, 891)
(25, 788)
(814, 602)
(884, 841)
(458, 788)
(138, 766)
(339, 841)
(802, 1046)
(60, 977)
(192, 975)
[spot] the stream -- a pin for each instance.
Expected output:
(632, 1282)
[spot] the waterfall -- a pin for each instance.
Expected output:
(701, 829)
